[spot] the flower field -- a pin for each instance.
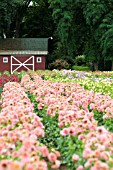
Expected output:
(57, 120)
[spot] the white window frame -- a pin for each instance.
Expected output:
(5, 59)
(39, 59)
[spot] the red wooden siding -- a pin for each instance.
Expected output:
(40, 66)
(5, 66)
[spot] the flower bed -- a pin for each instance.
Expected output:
(75, 110)
(58, 118)
(97, 81)
(20, 129)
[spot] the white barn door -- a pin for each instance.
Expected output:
(17, 63)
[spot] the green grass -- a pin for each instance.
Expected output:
(81, 68)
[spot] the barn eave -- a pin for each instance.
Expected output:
(27, 52)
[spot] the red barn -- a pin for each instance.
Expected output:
(23, 54)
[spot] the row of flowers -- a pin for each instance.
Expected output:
(20, 129)
(97, 81)
(95, 76)
(75, 108)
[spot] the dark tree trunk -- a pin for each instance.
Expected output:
(111, 65)
(95, 66)
(17, 26)
(8, 31)
(21, 11)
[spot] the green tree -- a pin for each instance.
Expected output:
(71, 26)
(106, 38)
(25, 18)
(85, 27)
(38, 21)
(12, 14)
(99, 16)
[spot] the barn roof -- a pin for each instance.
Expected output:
(24, 46)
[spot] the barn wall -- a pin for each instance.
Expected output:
(40, 66)
(5, 66)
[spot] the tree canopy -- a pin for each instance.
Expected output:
(25, 18)
(85, 27)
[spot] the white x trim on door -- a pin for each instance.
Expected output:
(21, 64)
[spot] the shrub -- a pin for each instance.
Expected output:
(81, 68)
(70, 60)
(80, 60)
(6, 72)
(59, 64)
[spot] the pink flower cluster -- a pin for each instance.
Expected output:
(20, 129)
(4, 78)
(71, 102)
(98, 149)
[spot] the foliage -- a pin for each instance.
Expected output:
(99, 16)
(107, 38)
(99, 117)
(85, 26)
(80, 60)
(35, 18)
(38, 21)
(59, 64)
(6, 72)
(108, 124)
(53, 140)
(69, 145)
(69, 20)
(80, 68)
(11, 17)
(20, 74)
(52, 131)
